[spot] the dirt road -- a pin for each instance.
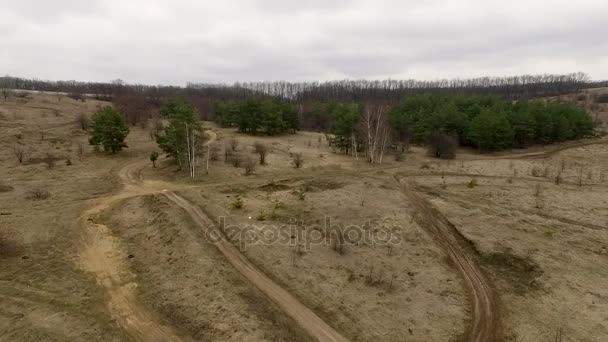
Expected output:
(485, 325)
(103, 257)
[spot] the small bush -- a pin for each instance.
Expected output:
(38, 194)
(472, 183)
(20, 153)
(214, 153)
(299, 193)
(237, 203)
(82, 121)
(262, 151)
(236, 161)
(297, 160)
(249, 166)
(68, 162)
(234, 144)
(154, 158)
(261, 216)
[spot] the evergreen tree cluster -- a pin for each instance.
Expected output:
(489, 123)
(253, 115)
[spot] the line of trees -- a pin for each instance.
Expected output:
(488, 123)
(269, 115)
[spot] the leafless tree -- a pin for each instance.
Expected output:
(214, 153)
(376, 130)
(249, 166)
(234, 143)
(83, 121)
(20, 153)
(261, 150)
(297, 160)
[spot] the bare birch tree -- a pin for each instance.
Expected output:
(376, 131)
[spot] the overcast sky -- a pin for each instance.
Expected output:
(176, 41)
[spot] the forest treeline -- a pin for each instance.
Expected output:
(490, 113)
(523, 86)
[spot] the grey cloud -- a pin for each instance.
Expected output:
(176, 42)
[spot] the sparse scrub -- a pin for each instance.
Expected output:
(236, 160)
(261, 215)
(214, 153)
(83, 121)
(237, 203)
(38, 194)
(249, 165)
(153, 158)
(297, 160)
(262, 151)
(472, 183)
(536, 171)
(234, 144)
(68, 162)
(20, 153)
(300, 193)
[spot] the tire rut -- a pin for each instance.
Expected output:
(485, 325)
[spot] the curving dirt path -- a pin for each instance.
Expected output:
(104, 258)
(485, 325)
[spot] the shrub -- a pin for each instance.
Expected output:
(236, 161)
(261, 216)
(154, 158)
(68, 162)
(237, 203)
(20, 153)
(38, 194)
(214, 153)
(234, 144)
(472, 183)
(249, 166)
(261, 150)
(297, 160)
(83, 121)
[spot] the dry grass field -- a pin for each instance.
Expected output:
(97, 247)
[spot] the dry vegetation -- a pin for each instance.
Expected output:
(533, 220)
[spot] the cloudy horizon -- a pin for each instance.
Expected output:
(162, 42)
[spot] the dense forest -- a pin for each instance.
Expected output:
(490, 113)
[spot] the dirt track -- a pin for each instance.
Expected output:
(485, 321)
(102, 257)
